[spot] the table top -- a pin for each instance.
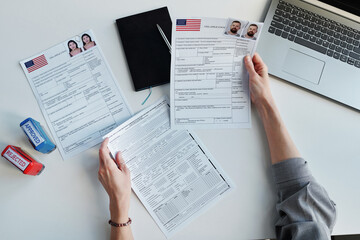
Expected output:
(68, 202)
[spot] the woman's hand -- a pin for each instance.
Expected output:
(115, 178)
(258, 80)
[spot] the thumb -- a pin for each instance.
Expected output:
(249, 65)
(120, 162)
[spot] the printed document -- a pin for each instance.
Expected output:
(209, 83)
(77, 93)
(172, 173)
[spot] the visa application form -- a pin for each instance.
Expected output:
(77, 93)
(209, 82)
(172, 173)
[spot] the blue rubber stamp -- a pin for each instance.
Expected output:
(37, 136)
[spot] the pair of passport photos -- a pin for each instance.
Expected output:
(146, 52)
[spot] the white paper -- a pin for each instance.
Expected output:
(172, 173)
(209, 82)
(78, 95)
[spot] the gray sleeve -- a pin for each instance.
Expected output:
(304, 207)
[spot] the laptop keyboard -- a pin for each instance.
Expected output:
(316, 32)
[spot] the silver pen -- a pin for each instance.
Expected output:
(164, 37)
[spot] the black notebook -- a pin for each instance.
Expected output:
(147, 54)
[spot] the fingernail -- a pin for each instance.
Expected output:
(247, 58)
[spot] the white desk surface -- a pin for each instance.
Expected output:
(67, 201)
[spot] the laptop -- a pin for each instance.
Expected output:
(312, 46)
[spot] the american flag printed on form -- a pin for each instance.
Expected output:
(36, 63)
(188, 24)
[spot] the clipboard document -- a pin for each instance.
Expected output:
(172, 173)
(209, 82)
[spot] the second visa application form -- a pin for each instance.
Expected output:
(209, 83)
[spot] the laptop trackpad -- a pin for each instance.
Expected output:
(303, 66)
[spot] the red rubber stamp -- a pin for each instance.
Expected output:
(22, 160)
